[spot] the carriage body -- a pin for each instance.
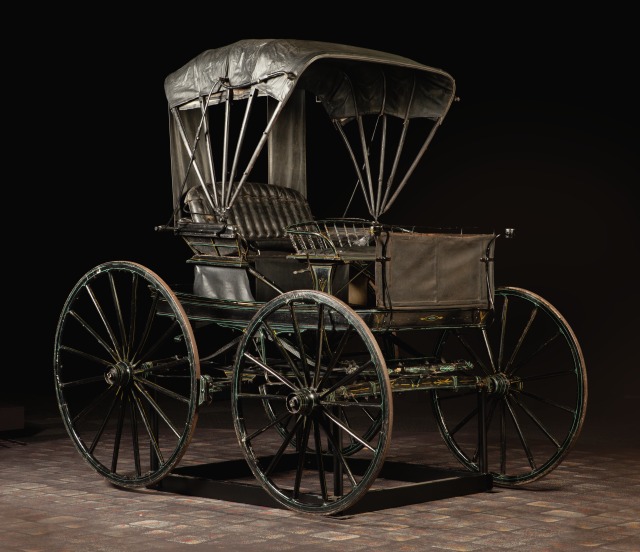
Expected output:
(312, 324)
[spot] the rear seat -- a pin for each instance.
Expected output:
(260, 212)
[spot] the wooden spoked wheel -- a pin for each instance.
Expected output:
(126, 373)
(536, 381)
(307, 380)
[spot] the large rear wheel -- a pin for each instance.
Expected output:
(126, 373)
(536, 380)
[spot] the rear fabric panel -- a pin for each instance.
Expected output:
(433, 270)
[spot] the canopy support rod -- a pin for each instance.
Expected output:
(225, 148)
(383, 143)
(192, 154)
(243, 131)
(367, 165)
(383, 147)
(207, 134)
(413, 166)
(256, 153)
(355, 163)
(365, 149)
(396, 161)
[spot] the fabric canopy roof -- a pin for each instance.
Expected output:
(349, 80)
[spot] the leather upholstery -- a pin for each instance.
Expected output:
(260, 212)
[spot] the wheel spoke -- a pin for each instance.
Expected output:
(89, 408)
(103, 425)
(95, 334)
(271, 371)
(283, 446)
(503, 437)
(87, 356)
(298, 334)
(296, 353)
(285, 353)
(337, 451)
(534, 354)
(169, 333)
(549, 402)
(523, 440)
(485, 336)
(345, 428)
(301, 457)
(134, 437)
(265, 397)
(371, 418)
(503, 329)
(464, 421)
(156, 408)
(473, 353)
(147, 425)
(320, 336)
(524, 333)
(116, 303)
(134, 312)
(278, 420)
(148, 325)
(321, 473)
(83, 381)
(336, 356)
(163, 390)
(118, 438)
(105, 322)
(536, 421)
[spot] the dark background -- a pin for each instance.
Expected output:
(543, 139)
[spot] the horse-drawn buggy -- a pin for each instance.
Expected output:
(312, 326)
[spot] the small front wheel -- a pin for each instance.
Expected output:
(126, 373)
(309, 381)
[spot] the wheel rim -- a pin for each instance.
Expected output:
(285, 441)
(532, 367)
(126, 373)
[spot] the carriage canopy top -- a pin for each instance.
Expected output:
(332, 72)
(351, 83)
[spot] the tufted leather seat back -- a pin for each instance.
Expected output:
(260, 212)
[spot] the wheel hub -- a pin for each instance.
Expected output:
(499, 384)
(118, 374)
(302, 401)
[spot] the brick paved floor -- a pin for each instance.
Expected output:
(51, 500)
